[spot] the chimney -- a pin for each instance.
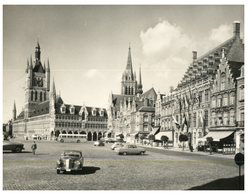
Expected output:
(194, 55)
(236, 29)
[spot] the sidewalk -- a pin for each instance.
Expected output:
(186, 150)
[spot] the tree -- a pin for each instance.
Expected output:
(165, 139)
(183, 138)
(151, 138)
(209, 141)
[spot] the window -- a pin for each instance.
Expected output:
(219, 102)
(194, 120)
(225, 100)
(63, 109)
(206, 95)
(223, 81)
(232, 99)
(32, 94)
(232, 117)
(40, 96)
(72, 109)
(44, 96)
(94, 112)
(225, 118)
(146, 118)
(206, 117)
(241, 92)
(214, 102)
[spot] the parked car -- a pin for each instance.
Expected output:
(130, 149)
(36, 137)
(70, 160)
(99, 143)
(116, 145)
(14, 147)
(109, 140)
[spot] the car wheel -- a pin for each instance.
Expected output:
(18, 149)
(124, 153)
(58, 171)
(62, 140)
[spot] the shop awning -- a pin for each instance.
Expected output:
(164, 133)
(154, 131)
(217, 135)
(134, 134)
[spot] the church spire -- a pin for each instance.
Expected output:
(37, 52)
(129, 62)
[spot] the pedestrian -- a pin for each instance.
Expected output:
(34, 147)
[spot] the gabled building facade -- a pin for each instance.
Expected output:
(188, 109)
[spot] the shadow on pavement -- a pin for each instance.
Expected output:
(86, 171)
(8, 152)
(222, 184)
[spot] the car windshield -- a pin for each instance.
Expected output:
(72, 154)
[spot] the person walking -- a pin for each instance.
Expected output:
(34, 147)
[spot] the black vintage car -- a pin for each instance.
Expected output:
(14, 147)
(70, 160)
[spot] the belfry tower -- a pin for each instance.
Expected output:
(129, 83)
(37, 84)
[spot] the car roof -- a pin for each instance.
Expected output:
(71, 151)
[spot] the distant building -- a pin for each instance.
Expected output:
(45, 113)
(132, 111)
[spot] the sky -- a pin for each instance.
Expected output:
(87, 46)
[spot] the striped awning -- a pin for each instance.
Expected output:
(217, 135)
(164, 133)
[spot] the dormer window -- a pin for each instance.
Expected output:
(72, 110)
(101, 113)
(94, 112)
(63, 109)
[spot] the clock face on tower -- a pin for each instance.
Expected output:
(39, 82)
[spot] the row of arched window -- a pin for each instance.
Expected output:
(38, 96)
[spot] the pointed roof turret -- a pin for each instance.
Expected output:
(14, 109)
(140, 86)
(48, 66)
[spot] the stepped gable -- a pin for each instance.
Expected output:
(207, 64)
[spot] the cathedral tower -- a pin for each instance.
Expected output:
(129, 83)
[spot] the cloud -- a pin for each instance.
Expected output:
(220, 34)
(164, 40)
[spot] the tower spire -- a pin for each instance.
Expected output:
(129, 61)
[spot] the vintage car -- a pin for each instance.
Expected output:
(99, 143)
(130, 149)
(117, 145)
(109, 140)
(70, 160)
(14, 147)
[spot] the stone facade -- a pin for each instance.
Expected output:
(46, 114)
(131, 111)
(189, 109)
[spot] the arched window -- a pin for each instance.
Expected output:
(35, 95)
(223, 81)
(32, 95)
(225, 100)
(40, 96)
(232, 98)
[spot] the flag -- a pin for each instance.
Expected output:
(176, 123)
(185, 123)
(190, 96)
(201, 117)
